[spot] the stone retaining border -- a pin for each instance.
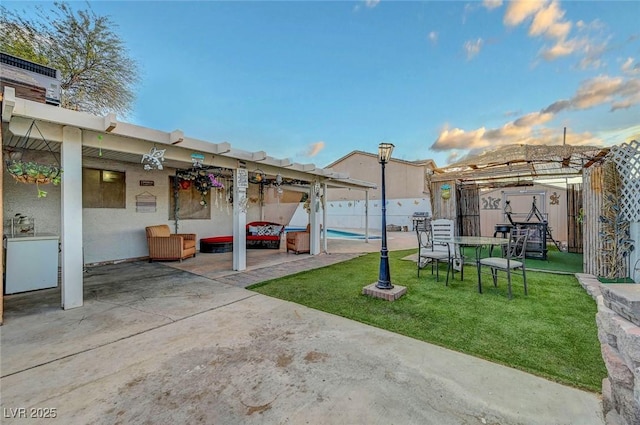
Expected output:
(618, 321)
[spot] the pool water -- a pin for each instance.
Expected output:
(336, 234)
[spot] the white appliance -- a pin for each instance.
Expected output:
(31, 262)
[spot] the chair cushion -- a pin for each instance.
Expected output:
(500, 263)
(188, 243)
(268, 230)
(439, 255)
(218, 239)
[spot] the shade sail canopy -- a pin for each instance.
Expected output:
(514, 162)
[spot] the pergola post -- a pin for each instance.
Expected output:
(71, 238)
(240, 185)
(366, 216)
(323, 205)
(314, 219)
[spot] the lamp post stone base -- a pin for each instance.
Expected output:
(386, 294)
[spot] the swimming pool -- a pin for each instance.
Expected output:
(336, 234)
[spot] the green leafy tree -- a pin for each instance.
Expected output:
(97, 74)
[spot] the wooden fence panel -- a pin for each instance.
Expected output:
(593, 181)
(468, 210)
(444, 199)
(574, 218)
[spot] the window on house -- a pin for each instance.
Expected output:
(189, 202)
(103, 188)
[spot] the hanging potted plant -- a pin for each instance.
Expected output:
(32, 172)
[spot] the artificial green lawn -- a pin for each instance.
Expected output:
(558, 261)
(551, 332)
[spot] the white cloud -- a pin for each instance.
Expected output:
(313, 149)
(547, 19)
(453, 157)
(518, 11)
(548, 22)
(617, 92)
(491, 4)
(534, 118)
(459, 139)
(629, 94)
(433, 37)
(370, 4)
(597, 91)
(558, 50)
(592, 54)
(628, 67)
(508, 134)
(472, 48)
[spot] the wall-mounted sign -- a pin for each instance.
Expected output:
(145, 203)
(242, 178)
(147, 183)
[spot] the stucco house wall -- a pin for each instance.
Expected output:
(406, 192)
(113, 234)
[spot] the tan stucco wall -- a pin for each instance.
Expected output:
(403, 179)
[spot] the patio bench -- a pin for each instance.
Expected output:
(264, 234)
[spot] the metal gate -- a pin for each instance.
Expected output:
(575, 214)
(468, 210)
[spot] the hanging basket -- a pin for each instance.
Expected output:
(33, 172)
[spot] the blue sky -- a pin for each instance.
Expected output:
(314, 80)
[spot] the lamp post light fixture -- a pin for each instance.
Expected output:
(384, 276)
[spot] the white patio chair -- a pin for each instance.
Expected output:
(436, 253)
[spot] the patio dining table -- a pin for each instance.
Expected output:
(474, 241)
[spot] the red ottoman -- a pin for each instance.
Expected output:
(216, 244)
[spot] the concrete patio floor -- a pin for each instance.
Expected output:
(160, 345)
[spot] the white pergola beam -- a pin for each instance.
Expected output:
(20, 112)
(110, 122)
(221, 148)
(259, 156)
(8, 103)
(176, 137)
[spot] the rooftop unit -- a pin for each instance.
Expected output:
(23, 71)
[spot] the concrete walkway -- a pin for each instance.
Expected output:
(158, 345)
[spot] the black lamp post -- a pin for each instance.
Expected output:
(384, 278)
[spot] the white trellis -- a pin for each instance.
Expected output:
(627, 159)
